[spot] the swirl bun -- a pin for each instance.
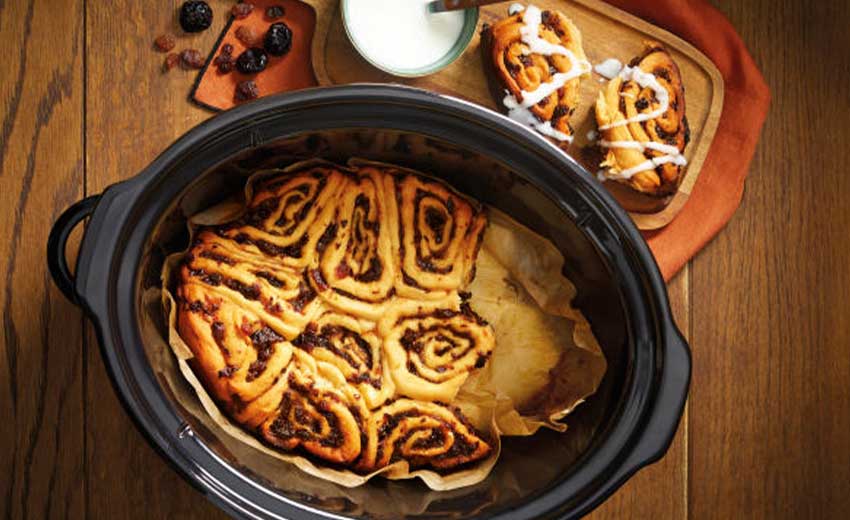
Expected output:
(641, 118)
(439, 234)
(422, 433)
(432, 347)
(353, 268)
(536, 61)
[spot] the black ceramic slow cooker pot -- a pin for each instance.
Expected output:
(628, 423)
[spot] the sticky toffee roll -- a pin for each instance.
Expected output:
(317, 413)
(224, 268)
(344, 342)
(422, 433)
(237, 355)
(354, 267)
(643, 131)
(432, 347)
(438, 235)
(280, 216)
(535, 62)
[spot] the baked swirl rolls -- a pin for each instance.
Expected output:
(317, 412)
(643, 128)
(537, 61)
(241, 356)
(223, 268)
(326, 318)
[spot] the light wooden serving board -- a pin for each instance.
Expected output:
(607, 32)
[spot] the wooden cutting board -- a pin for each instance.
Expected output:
(607, 33)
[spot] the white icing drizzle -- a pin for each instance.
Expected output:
(520, 111)
(637, 145)
(645, 80)
(672, 155)
(515, 8)
(609, 68)
(650, 164)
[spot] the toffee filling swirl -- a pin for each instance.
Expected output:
(423, 434)
(245, 356)
(278, 218)
(438, 237)
(225, 269)
(316, 413)
(431, 348)
(353, 269)
(342, 342)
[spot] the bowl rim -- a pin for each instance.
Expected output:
(109, 260)
(470, 23)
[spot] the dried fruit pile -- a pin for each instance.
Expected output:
(196, 16)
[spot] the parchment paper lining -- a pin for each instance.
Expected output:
(518, 288)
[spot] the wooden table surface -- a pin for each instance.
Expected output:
(767, 429)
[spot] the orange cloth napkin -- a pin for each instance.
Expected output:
(718, 189)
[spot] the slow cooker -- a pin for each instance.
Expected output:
(628, 423)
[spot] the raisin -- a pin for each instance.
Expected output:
(191, 59)
(559, 112)
(641, 103)
(170, 61)
(224, 62)
(195, 16)
(252, 61)
(274, 12)
(227, 48)
(247, 90)
(241, 10)
(247, 35)
(278, 40)
(165, 42)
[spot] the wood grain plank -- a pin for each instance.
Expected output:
(41, 172)
(660, 490)
(770, 405)
(134, 111)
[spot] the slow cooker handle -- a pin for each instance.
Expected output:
(669, 403)
(57, 262)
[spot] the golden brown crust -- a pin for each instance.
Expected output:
(648, 190)
(424, 434)
(431, 347)
(516, 70)
(353, 267)
(438, 234)
(280, 309)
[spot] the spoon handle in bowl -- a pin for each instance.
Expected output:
(439, 6)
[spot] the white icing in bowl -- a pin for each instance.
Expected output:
(403, 38)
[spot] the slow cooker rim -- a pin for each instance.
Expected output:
(195, 137)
